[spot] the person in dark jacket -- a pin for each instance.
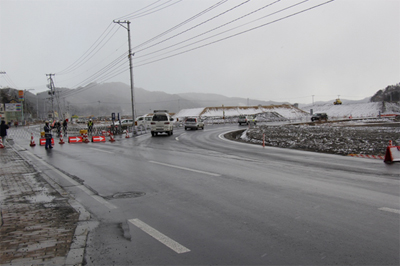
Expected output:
(3, 130)
(65, 126)
(47, 135)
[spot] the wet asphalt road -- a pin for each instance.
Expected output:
(194, 198)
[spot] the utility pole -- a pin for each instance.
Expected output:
(130, 55)
(51, 87)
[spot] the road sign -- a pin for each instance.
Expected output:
(21, 94)
(98, 139)
(43, 141)
(74, 139)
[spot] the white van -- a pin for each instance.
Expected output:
(160, 123)
(144, 121)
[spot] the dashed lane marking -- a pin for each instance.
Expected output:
(175, 246)
(389, 210)
(187, 169)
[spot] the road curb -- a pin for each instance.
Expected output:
(380, 157)
(76, 253)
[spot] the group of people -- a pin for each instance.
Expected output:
(57, 125)
(47, 130)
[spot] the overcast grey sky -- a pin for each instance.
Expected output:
(349, 48)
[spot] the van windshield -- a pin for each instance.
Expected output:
(160, 118)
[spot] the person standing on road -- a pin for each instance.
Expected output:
(65, 125)
(90, 126)
(48, 136)
(57, 125)
(3, 131)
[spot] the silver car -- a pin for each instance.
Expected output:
(194, 123)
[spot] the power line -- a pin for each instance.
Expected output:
(91, 53)
(223, 13)
(88, 51)
(148, 13)
(114, 64)
(181, 24)
(9, 80)
(130, 14)
(237, 34)
(210, 37)
(201, 34)
(101, 61)
(114, 69)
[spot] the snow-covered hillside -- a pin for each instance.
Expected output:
(287, 111)
(356, 110)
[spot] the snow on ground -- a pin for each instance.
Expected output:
(189, 112)
(356, 110)
(287, 111)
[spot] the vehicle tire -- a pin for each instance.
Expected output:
(240, 124)
(172, 132)
(185, 128)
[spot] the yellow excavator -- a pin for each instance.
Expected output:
(337, 102)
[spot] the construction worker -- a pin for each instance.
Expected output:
(47, 135)
(90, 126)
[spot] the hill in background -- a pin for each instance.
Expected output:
(104, 99)
(389, 94)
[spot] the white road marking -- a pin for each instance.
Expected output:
(175, 246)
(177, 138)
(187, 169)
(77, 184)
(389, 210)
(101, 150)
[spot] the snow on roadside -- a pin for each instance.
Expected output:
(287, 111)
(356, 110)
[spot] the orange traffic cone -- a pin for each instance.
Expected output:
(112, 137)
(388, 155)
(127, 135)
(61, 139)
(32, 141)
(1, 144)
